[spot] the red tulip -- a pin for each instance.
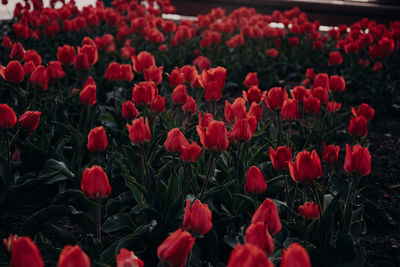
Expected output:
(255, 182)
(179, 95)
(25, 253)
(235, 110)
(290, 110)
(312, 105)
(267, 213)
(337, 83)
(154, 74)
(293, 41)
(248, 255)
(95, 183)
(39, 78)
(17, 51)
(335, 58)
(357, 160)
(215, 137)
(175, 249)
(236, 40)
(190, 105)
(321, 80)
(281, 158)
(175, 141)
(73, 256)
(295, 256)
(142, 61)
(309, 210)
(358, 126)
(90, 51)
(81, 62)
(14, 73)
(97, 140)
(377, 67)
(299, 93)
(242, 129)
(364, 110)
(88, 95)
(251, 79)
(213, 80)
(276, 97)
(7, 43)
(255, 110)
(158, 104)
(29, 67)
(310, 74)
(66, 54)
(333, 106)
(205, 120)
(202, 63)
(197, 219)
(129, 110)
(32, 55)
(29, 120)
(144, 93)
(330, 154)
(306, 167)
(190, 74)
(253, 94)
(321, 93)
(272, 53)
(176, 78)
(127, 258)
(7, 117)
(55, 71)
(190, 152)
(139, 131)
(257, 234)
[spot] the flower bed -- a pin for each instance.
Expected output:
(238, 140)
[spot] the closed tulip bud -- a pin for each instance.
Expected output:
(179, 95)
(66, 54)
(14, 73)
(321, 80)
(280, 158)
(276, 97)
(253, 94)
(205, 120)
(272, 53)
(17, 51)
(257, 234)
(290, 110)
(306, 168)
(251, 79)
(308, 211)
(255, 182)
(337, 83)
(357, 160)
(176, 78)
(215, 137)
(7, 43)
(175, 249)
(126, 73)
(25, 253)
(32, 55)
(88, 95)
(321, 93)
(90, 51)
(190, 73)
(29, 67)
(358, 126)
(197, 219)
(190, 105)
(158, 104)
(7, 117)
(139, 131)
(295, 256)
(364, 110)
(29, 120)
(299, 93)
(293, 41)
(95, 183)
(255, 110)
(142, 61)
(39, 78)
(213, 80)
(175, 141)
(312, 105)
(335, 58)
(113, 72)
(81, 62)
(330, 154)
(235, 110)
(202, 63)
(97, 140)
(190, 152)
(333, 106)
(144, 93)
(129, 110)
(267, 213)
(242, 131)
(73, 256)
(310, 74)
(127, 258)
(248, 255)
(55, 70)
(154, 74)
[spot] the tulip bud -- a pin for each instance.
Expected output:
(14, 73)
(295, 255)
(154, 74)
(337, 83)
(253, 94)
(364, 110)
(144, 93)
(179, 95)
(321, 80)
(335, 58)
(73, 256)
(126, 73)
(257, 234)
(333, 106)
(306, 168)
(290, 110)
(97, 140)
(190, 105)
(29, 120)
(127, 258)
(267, 213)
(309, 210)
(7, 117)
(129, 110)
(205, 120)
(276, 97)
(215, 137)
(248, 255)
(142, 61)
(358, 126)
(202, 63)
(95, 183)
(357, 160)
(197, 219)
(88, 95)
(330, 154)
(299, 93)
(25, 253)
(213, 80)
(139, 131)
(312, 105)
(113, 72)
(39, 78)
(17, 51)
(158, 104)
(251, 79)
(255, 182)
(175, 141)
(190, 152)
(66, 54)
(55, 71)
(235, 110)
(281, 158)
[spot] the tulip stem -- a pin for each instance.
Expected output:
(305, 187)
(98, 218)
(115, 103)
(8, 158)
(238, 165)
(286, 188)
(318, 200)
(207, 176)
(279, 128)
(145, 167)
(347, 208)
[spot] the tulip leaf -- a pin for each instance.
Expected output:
(118, 222)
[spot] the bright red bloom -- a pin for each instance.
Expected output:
(253, 94)
(321, 93)
(176, 78)
(257, 234)
(17, 51)
(144, 93)
(142, 61)
(127, 258)
(255, 182)
(113, 72)
(330, 154)
(242, 130)
(357, 160)
(364, 110)
(158, 104)
(267, 213)
(337, 83)
(197, 219)
(255, 110)
(179, 95)
(309, 210)
(175, 249)
(139, 131)
(358, 126)
(321, 80)
(55, 71)
(335, 58)
(14, 73)
(66, 54)
(276, 98)
(25, 253)
(97, 140)
(29, 120)
(251, 79)
(280, 158)
(73, 256)
(307, 167)
(213, 80)
(190, 105)
(235, 110)
(248, 255)
(39, 78)
(202, 63)
(88, 95)
(190, 152)
(333, 106)
(175, 141)
(205, 120)
(95, 183)
(129, 110)
(154, 74)
(7, 117)
(295, 256)
(189, 73)
(215, 137)
(272, 53)
(290, 110)
(299, 93)
(312, 104)
(90, 51)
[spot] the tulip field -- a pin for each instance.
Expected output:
(232, 139)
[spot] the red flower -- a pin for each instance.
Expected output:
(255, 182)
(290, 110)
(127, 258)
(255, 110)
(129, 110)
(202, 63)
(358, 126)
(272, 52)
(39, 78)
(17, 51)
(154, 74)
(267, 213)
(242, 129)
(66, 54)
(309, 210)
(158, 104)
(293, 41)
(97, 140)
(235, 41)
(190, 105)
(197, 219)
(257, 234)
(73, 256)
(7, 43)
(235, 110)
(306, 167)
(330, 154)
(215, 137)
(364, 110)
(335, 58)
(25, 253)
(253, 94)
(276, 98)
(7, 117)
(175, 249)
(312, 104)
(377, 67)
(357, 160)
(310, 74)
(144, 93)
(55, 71)
(321, 93)
(205, 120)
(295, 256)
(175, 141)
(333, 106)
(90, 51)
(190, 152)
(337, 83)
(32, 55)
(179, 94)
(142, 61)
(81, 62)
(29, 120)
(88, 95)
(126, 73)
(113, 72)
(251, 79)
(213, 80)
(29, 67)
(281, 158)
(248, 255)
(321, 80)
(14, 73)
(176, 78)
(299, 93)
(95, 183)
(139, 131)
(190, 73)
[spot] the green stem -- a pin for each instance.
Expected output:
(279, 128)
(348, 209)
(207, 176)
(318, 200)
(145, 166)
(238, 165)
(8, 158)
(98, 219)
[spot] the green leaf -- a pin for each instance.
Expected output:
(118, 222)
